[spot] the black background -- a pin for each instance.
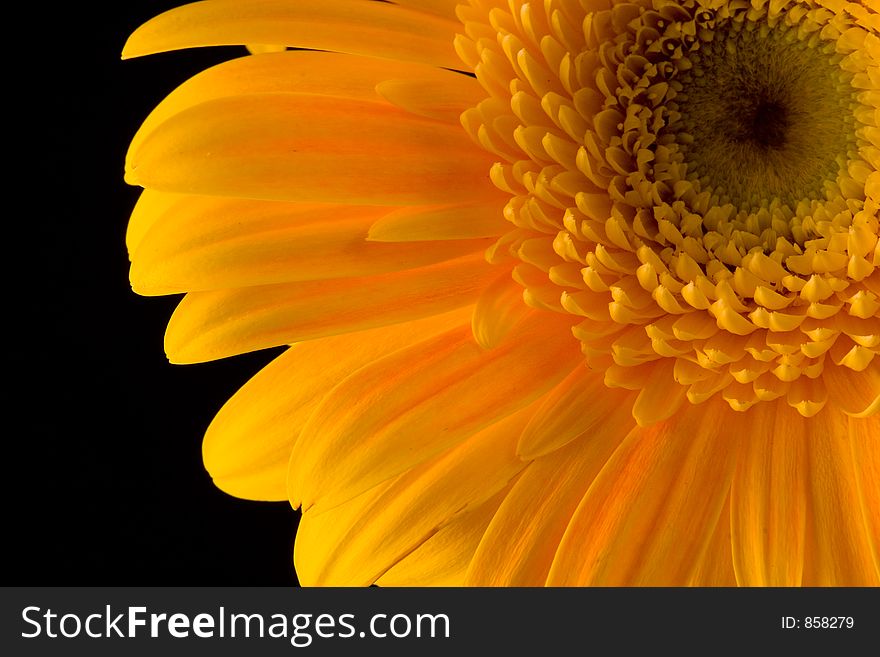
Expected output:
(104, 478)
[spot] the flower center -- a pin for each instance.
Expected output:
(696, 181)
(762, 122)
(764, 115)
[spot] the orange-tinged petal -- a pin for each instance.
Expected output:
(450, 222)
(336, 548)
(443, 559)
(865, 438)
(150, 206)
(310, 148)
(302, 72)
(856, 393)
(521, 541)
(581, 404)
(311, 546)
(649, 516)
(220, 323)
(436, 94)
(440, 7)
(247, 446)
(661, 395)
(372, 425)
(352, 26)
(768, 498)
(499, 309)
(840, 548)
(716, 566)
(209, 243)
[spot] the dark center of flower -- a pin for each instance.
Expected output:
(764, 116)
(764, 123)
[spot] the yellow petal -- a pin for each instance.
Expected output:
(440, 7)
(361, 28)
(302, 72)
(209, 243)
(337, 548)
(150, 206)
(314, 526)
(769, 498)
(499, 309)
(407, 407)
(440, 223)
(443, 559)
(261, 49)
(436, 94)
(247, 446)
(581, 404)
(649, 516)
(864, 435)
(220, 323)
(716, 566)
(855, 393)
(840, 552)
(521, 541)
(662, 395)
(310, 148)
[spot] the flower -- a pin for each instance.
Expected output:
(621, 329)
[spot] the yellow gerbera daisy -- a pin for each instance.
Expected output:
(579, 292)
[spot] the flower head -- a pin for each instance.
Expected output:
(620, 329)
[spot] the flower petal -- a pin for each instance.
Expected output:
(149, 207)
(361, 28)
(661, 396)
(310, 148)
(366, 429)
(220, 323)
(499, 309)
(444, 8)
(436, 94)
(841, 550)
(448, 222)
(302, 72)
(856, 393)
(649, 516)
(579, 404)
(716, 566)
(519, 546)
(865, 438)
(769, 498)
(443, 559)
(247, 447)
(337, 548)
(209, 243)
